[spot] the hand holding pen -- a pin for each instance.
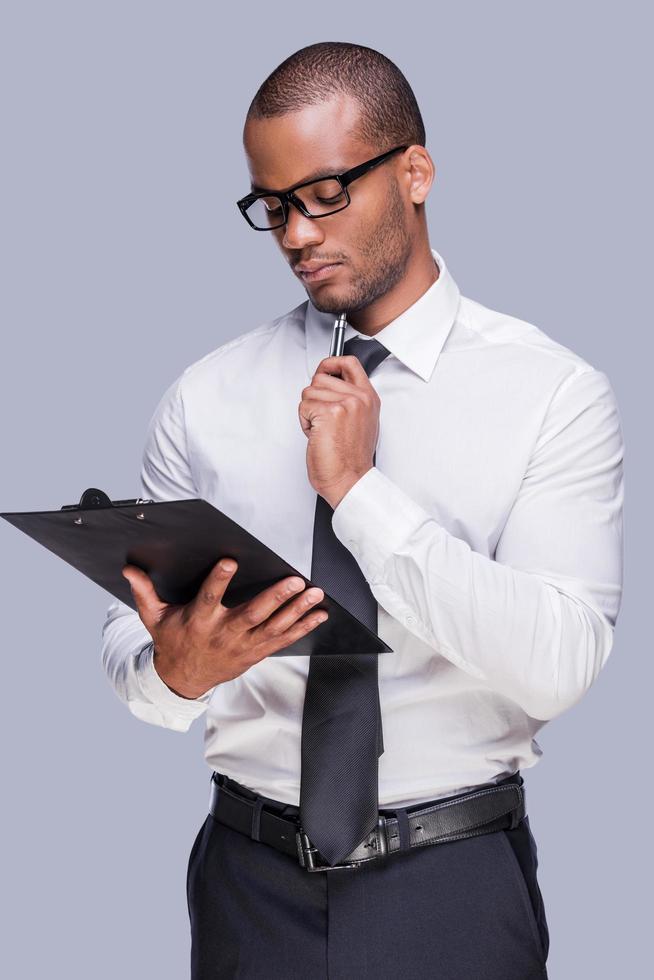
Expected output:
(339, 414)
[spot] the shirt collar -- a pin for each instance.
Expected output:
(415, 337)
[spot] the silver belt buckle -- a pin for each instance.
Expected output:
(308, 854)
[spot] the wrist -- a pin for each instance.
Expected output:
(172, 681)
(335, 494)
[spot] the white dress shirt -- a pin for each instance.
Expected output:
(489, 531)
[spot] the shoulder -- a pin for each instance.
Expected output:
(547, 380)
(228, 365)
(521, 337)
(246, 347)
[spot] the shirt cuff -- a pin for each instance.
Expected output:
(157, 692)
(373, 519)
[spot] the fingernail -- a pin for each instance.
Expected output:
(227, 566)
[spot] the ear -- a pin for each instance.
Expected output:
(420, 173)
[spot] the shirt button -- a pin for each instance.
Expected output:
(410, 621)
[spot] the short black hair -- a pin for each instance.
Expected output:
(389, 112)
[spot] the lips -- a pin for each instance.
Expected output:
(312, 271)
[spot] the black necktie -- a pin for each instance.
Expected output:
(341, 723)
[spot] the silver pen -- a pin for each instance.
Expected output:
(338, 336)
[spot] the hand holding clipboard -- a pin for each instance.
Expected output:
(173, 548)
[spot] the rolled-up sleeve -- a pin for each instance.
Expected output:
(535, 621)
(127, 646)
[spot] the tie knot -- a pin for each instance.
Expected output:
(370, 352)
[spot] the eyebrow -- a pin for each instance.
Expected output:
(316, 175)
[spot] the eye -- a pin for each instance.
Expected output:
(331, 200)
(323, 194)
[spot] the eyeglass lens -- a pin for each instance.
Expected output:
(321, 197)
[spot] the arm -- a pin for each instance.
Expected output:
(127, 648)
(536, 622)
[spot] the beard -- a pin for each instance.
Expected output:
(385, 254)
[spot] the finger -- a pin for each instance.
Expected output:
(272, 637)
(327, 382)
(346, 366)
(299, 629)
(279, 622)
(209, 597)
(311, 408)
(148, 603)
(255, 611)
(329, 395)
(313, 411)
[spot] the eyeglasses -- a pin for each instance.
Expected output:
(317, 198)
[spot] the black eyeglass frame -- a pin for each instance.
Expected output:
(288, 197)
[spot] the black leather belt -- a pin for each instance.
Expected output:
(479, 811)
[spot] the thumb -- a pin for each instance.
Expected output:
(148, 603)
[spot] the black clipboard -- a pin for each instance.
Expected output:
(177, 542)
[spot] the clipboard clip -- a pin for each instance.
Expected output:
(92, 499)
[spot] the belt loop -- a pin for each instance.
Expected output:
(519, 811)
(256, 817)
(214, 790)
(403, 827)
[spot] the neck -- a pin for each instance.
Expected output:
(422, 272)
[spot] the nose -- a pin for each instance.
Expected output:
(301, 231)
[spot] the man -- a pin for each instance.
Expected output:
(456, 480)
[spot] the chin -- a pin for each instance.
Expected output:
(328, 302)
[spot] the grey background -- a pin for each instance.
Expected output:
(124, 259)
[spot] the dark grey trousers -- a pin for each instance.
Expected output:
(469, 909)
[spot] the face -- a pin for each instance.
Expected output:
(368, 245)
